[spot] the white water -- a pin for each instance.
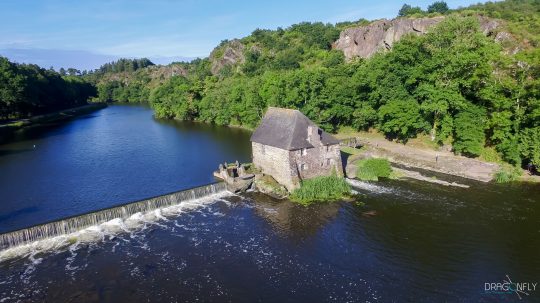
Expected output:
(370, 187)
(97, 226)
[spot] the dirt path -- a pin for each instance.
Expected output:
(439, 161)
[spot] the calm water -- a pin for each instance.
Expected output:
(116, 155)
(410, 241)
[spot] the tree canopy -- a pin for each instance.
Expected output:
(27, 89)
(454, 83)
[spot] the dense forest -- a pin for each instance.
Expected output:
(455, 84)
(27, 90)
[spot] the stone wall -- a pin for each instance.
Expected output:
(289, 167)
(318, 161)
(275, 162)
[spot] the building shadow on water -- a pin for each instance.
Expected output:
(295, 221)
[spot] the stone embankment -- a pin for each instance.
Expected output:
(438, 161)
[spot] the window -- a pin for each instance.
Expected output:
(328, 161)
(303, 166)
(262, 149)
(327, 148)
(303, 151)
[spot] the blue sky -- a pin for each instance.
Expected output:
(85, 34)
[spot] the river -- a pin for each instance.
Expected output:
(408, 241)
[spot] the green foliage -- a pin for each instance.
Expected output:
(372, 169)
(321, 189)
(401, 119)
(529, 146)
(27, 90)
(451, 85)
(407, 10)
(469, 137)
(508, 173)
(490, 154)
(438, 7)
(523, 17)
(124, 65)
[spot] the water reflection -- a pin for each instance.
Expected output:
(292, 220)
(113, 156)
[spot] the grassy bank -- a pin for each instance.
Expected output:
(372, 169)
(508, 173)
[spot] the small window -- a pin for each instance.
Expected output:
(328, 161)
(303, 166)
(327, 148)
(303, 151)
(262, 149)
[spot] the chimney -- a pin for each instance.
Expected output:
(314, 135)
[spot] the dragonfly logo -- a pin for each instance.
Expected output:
(509, 287)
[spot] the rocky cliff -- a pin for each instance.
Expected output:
(230, 53)
(380, 35)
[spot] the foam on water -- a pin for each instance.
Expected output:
(110, 229)
(373, 188)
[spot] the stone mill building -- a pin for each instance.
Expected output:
(290, 147)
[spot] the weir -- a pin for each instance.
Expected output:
(72, 224)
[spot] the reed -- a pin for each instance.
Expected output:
(321, 189)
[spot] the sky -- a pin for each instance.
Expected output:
(86, 34)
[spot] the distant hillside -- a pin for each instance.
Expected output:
(467, 77)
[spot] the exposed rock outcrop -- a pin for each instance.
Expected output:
(365, 41)
(229, 54)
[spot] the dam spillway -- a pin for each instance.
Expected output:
(76, 223)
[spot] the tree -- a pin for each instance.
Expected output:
(27, 89)
(73, 72)
(407, 10)
(438, 7)
(12, 85)
(530, 146)
(401, 119)
(469, 136)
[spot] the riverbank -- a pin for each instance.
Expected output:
(7, 130)
(440, 161)
(416, 157)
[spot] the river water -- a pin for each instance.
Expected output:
(408, 241)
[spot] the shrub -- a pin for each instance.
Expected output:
(318, 189)
(508, 173)
(490, 154)
(373, 169)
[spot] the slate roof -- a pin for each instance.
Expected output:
(287, 129)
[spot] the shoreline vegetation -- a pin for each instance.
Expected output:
(8, 129)
(473, 93)
(371, 169)
(322, 189)
(488, 112)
